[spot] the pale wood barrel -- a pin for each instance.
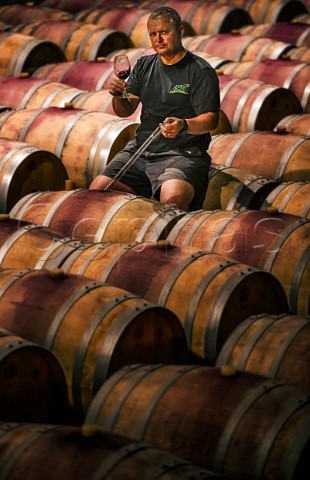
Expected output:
(24, 169)
(84, 140)
(290, 197)
(274, 346)
(20, 53)
(298, 123)
(232, 188)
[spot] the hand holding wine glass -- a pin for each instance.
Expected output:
(122, 69)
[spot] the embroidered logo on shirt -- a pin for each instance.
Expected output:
(180, 89)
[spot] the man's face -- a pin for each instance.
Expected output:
(165, 39)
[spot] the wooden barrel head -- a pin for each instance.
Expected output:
(33, 386)
(25, 169)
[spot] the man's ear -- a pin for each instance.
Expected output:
(182, 30)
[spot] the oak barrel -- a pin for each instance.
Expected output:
(132, 21)
(28, 92)
(33, 385)
(255, 105)
(72, 6)
(300, 53)
(201, 288)
(92, 328)
(289, 32)
(16, 14)
(277, 155)
(272, 11)
(290, 74)
(24, 53)
(232, 188)
(298, 123)
(101, 101)
(84, 140)
(97, 216)
(286, 73)
(274, 346)
(214, 417)
(79, 41)
(73, 453)
(275, 242)
(86, 75)
(237, 47)
(24, 245)
(290, 197)
(24, 169)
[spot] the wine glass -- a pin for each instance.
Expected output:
(122, 69)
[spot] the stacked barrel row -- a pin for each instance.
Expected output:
(183, 338)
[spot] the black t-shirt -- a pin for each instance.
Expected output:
(184, 90)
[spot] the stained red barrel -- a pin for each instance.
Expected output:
(236, 47)
(132, 21)
(30, 92)
(284, 156)
(275, 242)
(96, 216)
(86, 75)
(289, 32)
(61, 449)
(201, 288)
(92, 328)
(240, 411)
(287, 73)
(78, 41)
(255, 105)
(291, 74)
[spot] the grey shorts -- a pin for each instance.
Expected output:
(151, 170)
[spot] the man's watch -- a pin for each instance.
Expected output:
(184, 129)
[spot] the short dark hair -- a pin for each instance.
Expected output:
(167, 12)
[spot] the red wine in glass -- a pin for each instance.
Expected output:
(122, 69)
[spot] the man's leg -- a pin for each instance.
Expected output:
(102, 181)
(178, 193)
